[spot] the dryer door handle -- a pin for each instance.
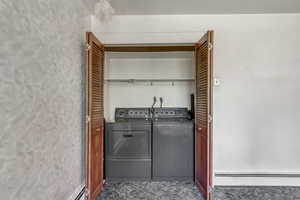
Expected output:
(127, 135)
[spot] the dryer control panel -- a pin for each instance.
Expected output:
(127, 114)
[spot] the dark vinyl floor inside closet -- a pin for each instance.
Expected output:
(187, 191)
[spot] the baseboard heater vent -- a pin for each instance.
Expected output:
(269, 175)
(80, 194)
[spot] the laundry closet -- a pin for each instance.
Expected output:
(149, 129)
(148, 113)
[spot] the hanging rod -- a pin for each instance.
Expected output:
(151, 81)
(148, 80)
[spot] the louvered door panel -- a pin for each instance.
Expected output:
(201, 85)
(203, 111)
(95, 116)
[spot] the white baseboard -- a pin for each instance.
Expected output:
(77, 191)
(257, 178)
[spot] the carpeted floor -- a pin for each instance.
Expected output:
(257, 193)
(150, 191)
(187, 191)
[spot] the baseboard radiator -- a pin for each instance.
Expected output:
(257, 178)
(258, 175)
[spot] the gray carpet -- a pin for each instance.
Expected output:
(187, 191)
(150, 191)
(257, 193)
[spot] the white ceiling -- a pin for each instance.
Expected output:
(152, 7)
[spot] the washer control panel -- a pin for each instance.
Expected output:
(171, 113)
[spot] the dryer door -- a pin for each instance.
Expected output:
(128, 140)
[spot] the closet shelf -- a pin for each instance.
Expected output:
(148, 80)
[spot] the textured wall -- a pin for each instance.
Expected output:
(41, 86)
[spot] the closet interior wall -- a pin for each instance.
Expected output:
(147, 65)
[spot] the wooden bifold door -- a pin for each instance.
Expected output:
(203, 115)
(94, 115)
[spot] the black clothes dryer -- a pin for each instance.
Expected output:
(128, 145)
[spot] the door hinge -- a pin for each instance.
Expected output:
(87, 119)
(210, 46)
(210, 189)
(87, 193)
(87, 47)
(210, 118)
